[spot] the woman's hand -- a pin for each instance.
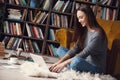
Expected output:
(53, 65)
(57, 67)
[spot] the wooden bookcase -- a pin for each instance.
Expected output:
(106, 9)
(37, 20)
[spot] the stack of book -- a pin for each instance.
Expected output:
(2, 47)
(62, 6)
(14, 14)
(18, 2)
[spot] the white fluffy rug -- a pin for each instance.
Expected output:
(33, 69)
(72, 75)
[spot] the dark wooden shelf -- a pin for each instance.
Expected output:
(47, 25)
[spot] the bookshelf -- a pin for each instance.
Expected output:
(31, 24)
(104, 9)
(2, 9)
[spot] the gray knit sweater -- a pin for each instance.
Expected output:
(94, 51)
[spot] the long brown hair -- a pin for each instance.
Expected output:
(79, 31)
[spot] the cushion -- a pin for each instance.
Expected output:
(64, 37)
(106, 25)
(111, 29)
(114, 33)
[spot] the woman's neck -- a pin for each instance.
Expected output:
(90, 29)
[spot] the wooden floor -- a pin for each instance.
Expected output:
(10, 72)
(7, 73)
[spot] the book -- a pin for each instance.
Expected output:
(36, 16)
(58, 20)
(50, 50)
(103, 1)
(55, 19)
(27, 47)
(23, 44)
(10, 43)
(18, 44)
(103, 13)
(28, 30)
(54, 50)
(14, 30)
(14, 14)
(35, 32)
(6, 40)
(55, 6)
(44, 18)
(21, 3)
(24, 2)
(99, 12)
(17, 2)
(30, 15)
(46, 4)
(35, 46)
(39, 19)
(51, 35)
(24, 14)
(9, 28)
(69, 7)
(31, 30)
(14, 47)
(19, 30)
(52, 19)
(66, 4)
(2, 48)
(33, 3)
(114, 13)
(59, 5)
(6, 27)
(40, 33)
(31, 46)
(66, 22)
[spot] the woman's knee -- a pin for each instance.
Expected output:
(79, 64)
(76, 63)
(61, 51)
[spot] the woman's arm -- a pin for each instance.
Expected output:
(58, 66)
(94, 46)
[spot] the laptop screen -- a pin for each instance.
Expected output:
(39, 60)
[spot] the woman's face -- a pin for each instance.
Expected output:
(82, 18)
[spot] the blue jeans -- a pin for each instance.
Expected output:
(78, 63)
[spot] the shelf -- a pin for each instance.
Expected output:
(42, 16)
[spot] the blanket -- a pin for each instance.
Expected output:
(35, 70)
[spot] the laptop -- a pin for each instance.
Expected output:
(39, 60)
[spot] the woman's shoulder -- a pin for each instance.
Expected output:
(95, 34)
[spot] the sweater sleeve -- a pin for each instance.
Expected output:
(72, 52)
(94, 46)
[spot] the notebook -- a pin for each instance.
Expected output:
(39, 60)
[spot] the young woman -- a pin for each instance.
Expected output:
(89, 51)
